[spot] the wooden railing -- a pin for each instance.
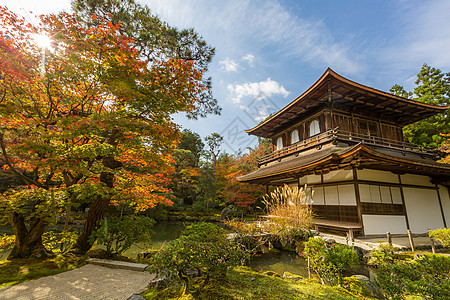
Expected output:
(334, 134)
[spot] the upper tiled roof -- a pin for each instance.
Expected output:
(333, 87)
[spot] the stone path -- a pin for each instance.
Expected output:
(87, 282)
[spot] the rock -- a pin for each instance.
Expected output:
(97, 253)
(288, 275)
(224, 214)
(370, 286)
(136, 297)
(363, 254)
(270, 273)
(419, 255)
(160, 282)
(146, 254)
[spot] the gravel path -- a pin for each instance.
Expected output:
(87, 282)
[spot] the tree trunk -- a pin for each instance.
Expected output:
(95, 214)
(28, 240)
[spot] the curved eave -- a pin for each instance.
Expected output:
(266, 128)
(346, 156)
(328, 158)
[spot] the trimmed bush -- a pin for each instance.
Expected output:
(329, 261)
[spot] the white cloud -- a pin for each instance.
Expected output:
(257, 90)
(425, 38)
(249, 58)
(229, 65)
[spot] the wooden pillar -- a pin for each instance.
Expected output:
(433, 246)
(403, 201)
(440, 205)
(411, 241)
(358, 199)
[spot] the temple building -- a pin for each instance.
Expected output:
(345, 141)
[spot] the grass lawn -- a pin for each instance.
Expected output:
(21, 270)
(243, 283)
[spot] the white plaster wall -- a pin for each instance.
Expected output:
(318, 195)
(422, 207)
(445, 199)
(416, 179)
(338, 175)
(331, 195)
(376, 175)
(310, 179)
(381, 224)
(347, 194)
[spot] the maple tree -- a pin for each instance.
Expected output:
(229, 168)
(95, 126)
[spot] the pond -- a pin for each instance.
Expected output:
(275, 261)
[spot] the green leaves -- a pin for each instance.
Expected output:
(118, 234)
(330, 260)
(203, 247)
(426, 277)
(432, 87)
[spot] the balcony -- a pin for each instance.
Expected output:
(345, 136)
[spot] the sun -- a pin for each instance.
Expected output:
(42, 40)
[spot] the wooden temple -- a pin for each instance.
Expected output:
(345, 141)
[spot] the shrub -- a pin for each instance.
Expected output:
(203, 247)
(355, 286)
(59, 242)
(329, 261)
(118, 234)
(441, 235)
(426, 277)
(7, 241)
(384, 254)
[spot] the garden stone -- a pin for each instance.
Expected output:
(419, 255)
(136, 297)
(146, 254)
(224, 213)
(270, 273)
(288, 275)
(371, 287)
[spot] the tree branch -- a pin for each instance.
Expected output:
(11, 166)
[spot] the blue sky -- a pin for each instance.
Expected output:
(269, 52)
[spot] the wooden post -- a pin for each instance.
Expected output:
(389, 238)
(411, 241)
(350, 235)
(433, 246)
(309, 269)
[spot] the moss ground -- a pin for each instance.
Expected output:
(21, 270)
(243, 283)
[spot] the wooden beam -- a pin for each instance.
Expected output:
(358, 198)
(440, 205)
(403, 201)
